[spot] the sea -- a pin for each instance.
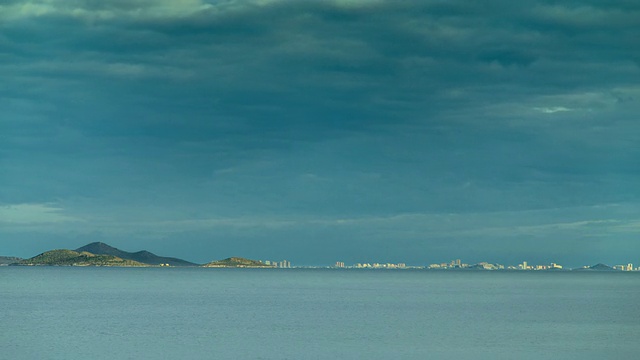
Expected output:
(203, 313)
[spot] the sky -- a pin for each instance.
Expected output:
(323, 131)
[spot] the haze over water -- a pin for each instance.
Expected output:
(146, 313)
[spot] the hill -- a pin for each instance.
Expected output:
(65, 257)
(602, 267)
(596, 267)
(143, 256)
(6, 260)
(237, 262)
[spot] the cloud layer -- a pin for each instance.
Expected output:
(289, 117)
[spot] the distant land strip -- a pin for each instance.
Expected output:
(101, 254)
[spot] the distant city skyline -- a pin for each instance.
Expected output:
(317, 131)
(456, 264)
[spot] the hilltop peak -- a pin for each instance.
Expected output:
(601, 266)
(97, 248)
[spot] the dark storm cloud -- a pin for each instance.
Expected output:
(286, 111)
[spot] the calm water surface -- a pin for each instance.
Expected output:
(156, 313)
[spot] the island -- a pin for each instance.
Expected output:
(143, 256)
(63, 257)
(101, 254)
(237, 262)
(596, 267)
(8, 260)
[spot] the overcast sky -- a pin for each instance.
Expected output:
(318, 131)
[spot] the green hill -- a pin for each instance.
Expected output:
(65, 257)
(237, 262)
(143, 256)
(8, 260)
